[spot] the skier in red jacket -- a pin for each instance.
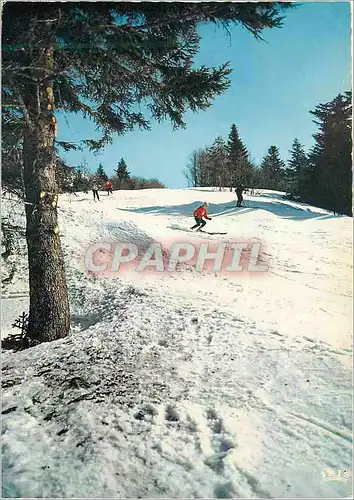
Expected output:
(200, 214)
(108, 186)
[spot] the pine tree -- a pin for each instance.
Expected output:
(122, 174)
(102, 60)
(219, 163)
(328, 181)
(297, 168)
(240, 170)
(273, 170)
(81, 179)
(65, 175)
(101, 174)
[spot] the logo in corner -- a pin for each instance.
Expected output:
(339, 475)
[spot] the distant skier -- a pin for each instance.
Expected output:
(95, 188)
(200, 214)
(72, 189)
(239, 190)
(109, 187)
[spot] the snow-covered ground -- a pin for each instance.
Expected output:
(188, 385)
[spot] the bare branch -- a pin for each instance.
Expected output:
(12, 105)
(46, 20)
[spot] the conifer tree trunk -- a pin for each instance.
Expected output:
(49, 317)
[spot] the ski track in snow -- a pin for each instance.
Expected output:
(188, 385)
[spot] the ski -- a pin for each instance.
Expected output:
(206, 232)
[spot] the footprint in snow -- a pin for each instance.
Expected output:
(215, 422)
(221, 443)
(146, 412)
(171, 414)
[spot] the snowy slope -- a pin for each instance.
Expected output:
(188, 385)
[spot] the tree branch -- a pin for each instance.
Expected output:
(25, 110)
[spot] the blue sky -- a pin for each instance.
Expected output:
(274, 86)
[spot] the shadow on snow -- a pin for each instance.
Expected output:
(280, 209)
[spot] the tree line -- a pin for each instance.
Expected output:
(69, 178)
(73, 179)
(321, 176)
